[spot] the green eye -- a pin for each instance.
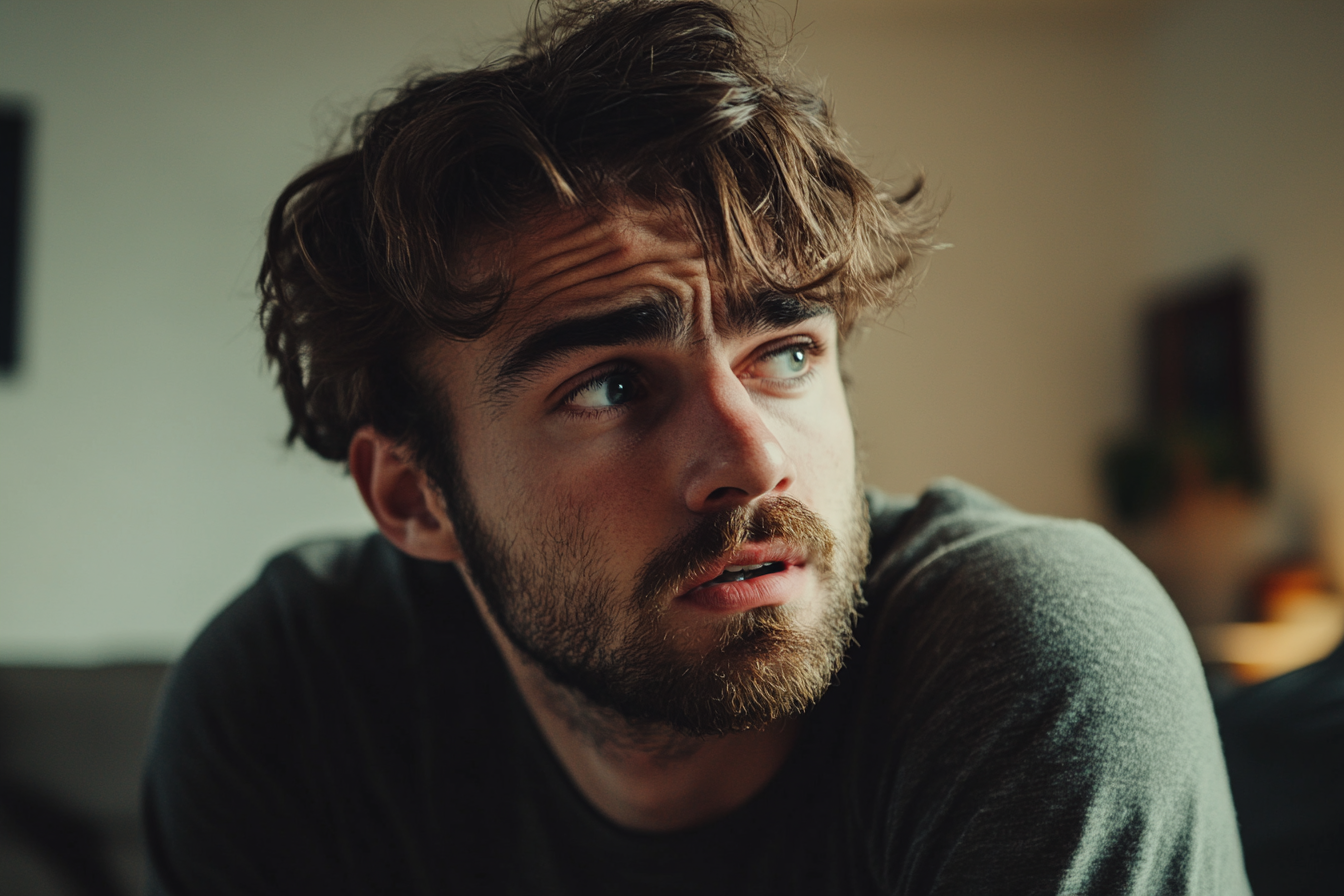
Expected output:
(790, 362)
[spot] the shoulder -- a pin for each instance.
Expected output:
(1032, 707)
(251, 673)
(971, 594)
(323, 620)
(324, 595)
(302, 708)
(963, 559)
(228, 768)
(324, 575)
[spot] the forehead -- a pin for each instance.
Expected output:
(566, 260)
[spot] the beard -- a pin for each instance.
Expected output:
(548, 591)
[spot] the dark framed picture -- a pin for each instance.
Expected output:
(15, 128)
(1200, 427)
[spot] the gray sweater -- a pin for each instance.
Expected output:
(1024, 713)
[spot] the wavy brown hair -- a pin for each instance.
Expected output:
(671, 102)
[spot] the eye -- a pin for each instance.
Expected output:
(606, 390)
(787, 363)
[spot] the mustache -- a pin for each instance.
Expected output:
(725, 532)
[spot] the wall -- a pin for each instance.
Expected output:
(1004, 369)
(142, 473)
(1248, 129)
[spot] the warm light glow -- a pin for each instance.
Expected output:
(1305, 630)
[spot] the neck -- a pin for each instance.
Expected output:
(645, 777)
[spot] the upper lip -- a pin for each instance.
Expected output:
(749, 555)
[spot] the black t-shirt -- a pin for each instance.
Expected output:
(1024, 713)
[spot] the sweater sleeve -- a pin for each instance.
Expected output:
(1036, 720)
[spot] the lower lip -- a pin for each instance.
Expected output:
(769, 590)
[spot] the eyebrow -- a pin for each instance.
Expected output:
(660, 318)
(770, 310)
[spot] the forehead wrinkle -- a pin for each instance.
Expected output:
(564, 255)
(570, 244)
(658, 317)
(573, 272)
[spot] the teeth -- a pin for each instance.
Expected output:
(742, 572)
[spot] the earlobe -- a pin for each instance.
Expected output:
(404, 502)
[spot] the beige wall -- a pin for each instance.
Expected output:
(1012, 360)
(1248, 124)
(141, 473)
(142, 476)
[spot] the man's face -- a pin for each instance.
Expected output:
(656, 496)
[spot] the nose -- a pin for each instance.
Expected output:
(733, 456)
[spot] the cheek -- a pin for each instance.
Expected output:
(605, 493)
(819, 437)
(819, 427)
(507, 482)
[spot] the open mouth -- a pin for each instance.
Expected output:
(748, 571)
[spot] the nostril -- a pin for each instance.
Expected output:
(723, 492)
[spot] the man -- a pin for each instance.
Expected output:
(573, 320)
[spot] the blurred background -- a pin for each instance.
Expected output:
(1138, 319)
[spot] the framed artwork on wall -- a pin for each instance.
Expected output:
(15, 128)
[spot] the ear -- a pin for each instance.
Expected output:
(406, 505)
